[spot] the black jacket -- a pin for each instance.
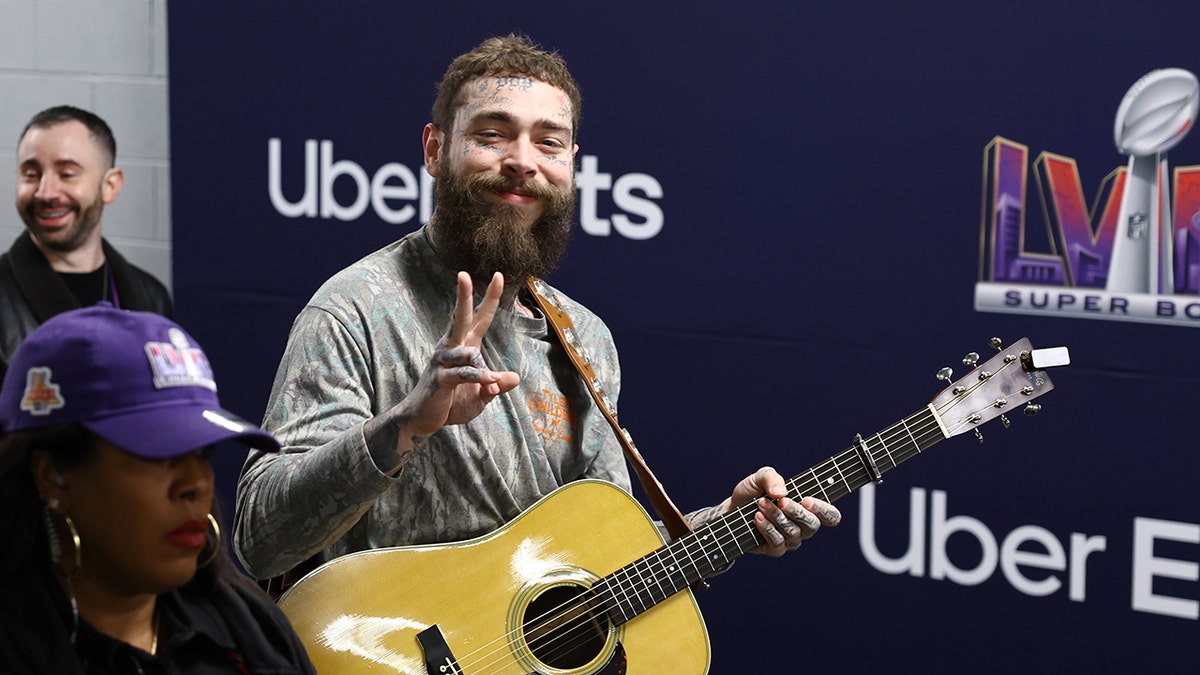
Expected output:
(31, 292)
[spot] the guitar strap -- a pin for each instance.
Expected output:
(557, 317)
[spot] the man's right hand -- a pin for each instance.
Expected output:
(456, 384)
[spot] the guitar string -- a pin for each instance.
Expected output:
(846, 464)
(843, 466)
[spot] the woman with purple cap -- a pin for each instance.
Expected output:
(113, 557)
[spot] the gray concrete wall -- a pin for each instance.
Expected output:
(109, 57)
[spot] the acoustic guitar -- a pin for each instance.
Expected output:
(582, 583)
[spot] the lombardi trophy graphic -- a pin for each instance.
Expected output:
(1156, 113)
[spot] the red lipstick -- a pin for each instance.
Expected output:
(189, 535)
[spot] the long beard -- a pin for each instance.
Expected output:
(482, 237)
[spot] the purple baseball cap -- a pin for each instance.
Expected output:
(135, 379)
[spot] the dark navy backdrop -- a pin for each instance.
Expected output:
(818, 171)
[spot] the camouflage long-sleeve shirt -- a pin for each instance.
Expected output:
(357, 349)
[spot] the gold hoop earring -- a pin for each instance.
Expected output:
(216, 550)
(78, 545)
(56, 545)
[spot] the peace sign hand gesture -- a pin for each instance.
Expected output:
(456, 384)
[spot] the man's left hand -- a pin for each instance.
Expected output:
(783, 522)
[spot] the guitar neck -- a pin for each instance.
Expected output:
(713, 546)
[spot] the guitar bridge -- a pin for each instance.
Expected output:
(438, 658)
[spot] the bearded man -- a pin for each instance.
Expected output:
(65, 177)
(409, 416)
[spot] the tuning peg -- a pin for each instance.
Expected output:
(945, 374)
(971, 359)
(979, 435)
(1005, 422)
(996, 343)
(1032, 409)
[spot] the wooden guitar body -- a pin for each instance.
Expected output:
(362, 613)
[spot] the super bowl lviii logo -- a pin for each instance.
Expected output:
(1135, 254)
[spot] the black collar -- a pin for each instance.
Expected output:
(47, 295)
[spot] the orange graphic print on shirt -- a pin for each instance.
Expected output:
(552, 416)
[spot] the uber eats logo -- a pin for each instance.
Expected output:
(343, 189)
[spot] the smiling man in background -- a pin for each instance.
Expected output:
(65, 176)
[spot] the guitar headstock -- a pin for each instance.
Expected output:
(1012, 378)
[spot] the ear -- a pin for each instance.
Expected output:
(434, 140)
(110, 187)
(51, 484)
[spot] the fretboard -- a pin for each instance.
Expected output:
(712, 547)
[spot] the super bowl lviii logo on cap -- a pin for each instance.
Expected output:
(178, 364)
(41, 395)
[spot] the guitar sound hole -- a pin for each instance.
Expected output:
(564, 627)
